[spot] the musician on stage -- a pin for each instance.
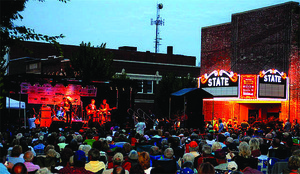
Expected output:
(67, 106)
(91, 109)
(104, 108)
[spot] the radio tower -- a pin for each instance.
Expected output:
(158, 22)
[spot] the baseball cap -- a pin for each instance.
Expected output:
(193, 144)
(118, 157)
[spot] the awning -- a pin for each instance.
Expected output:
(14, 104)
(183, 91)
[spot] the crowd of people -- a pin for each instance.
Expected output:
(225, 148)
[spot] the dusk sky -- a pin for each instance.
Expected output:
(128, 22)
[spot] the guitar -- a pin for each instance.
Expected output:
(37, 119)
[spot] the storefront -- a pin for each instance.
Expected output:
(246, 97)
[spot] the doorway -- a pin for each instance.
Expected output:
(252, 116)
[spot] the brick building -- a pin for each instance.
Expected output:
(145, 67)
(254, 41)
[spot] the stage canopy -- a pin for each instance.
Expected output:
(14, 104)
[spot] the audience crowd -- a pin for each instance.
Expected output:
(111, 149)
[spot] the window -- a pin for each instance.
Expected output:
(149, 86)
(140, 86)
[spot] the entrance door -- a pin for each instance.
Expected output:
(252, 116)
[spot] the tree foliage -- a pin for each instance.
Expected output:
(11, 34)
(92, 63)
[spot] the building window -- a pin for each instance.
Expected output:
(149, 86)
(140, 86)
(33, 66)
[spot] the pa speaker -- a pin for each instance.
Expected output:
(77, 125)
(56, 125)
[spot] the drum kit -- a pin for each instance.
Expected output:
(99, 116)
(59, 112)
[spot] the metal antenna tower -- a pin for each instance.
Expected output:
(158, 22)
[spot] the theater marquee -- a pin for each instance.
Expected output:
(272, 84)
(220, 83)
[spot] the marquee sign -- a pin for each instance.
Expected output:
(220, 83)
(248, 87)
(272, 84)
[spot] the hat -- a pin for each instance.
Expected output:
(227, 134)
(118, 157)
(133, 155)
(232, 166)
(193, 144)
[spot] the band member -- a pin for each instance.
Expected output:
(91, 109)
(104, 108)
(67, 106)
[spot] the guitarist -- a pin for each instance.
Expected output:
(67, 106)
(104, 108)
(91, 109)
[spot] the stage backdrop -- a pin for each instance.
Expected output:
(52, 95)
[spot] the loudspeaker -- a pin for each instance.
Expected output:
(56, 125)
(45, 122)
(77, 125)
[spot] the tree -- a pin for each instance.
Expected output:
(11, 34)
(92, 63)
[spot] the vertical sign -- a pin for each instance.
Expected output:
(248, 87)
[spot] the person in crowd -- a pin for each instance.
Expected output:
(144, 161)
(287, 125)
(118, 160)
(193, 148)
(210, 139)
(94, 165)
(221, 126)
(39, 148)
(188, 162)
(244, 159)
(140, 126)
(15, 155)
(79, 164)
(254, 146)
(28, 157)
(19, 168)
(154, 154)
(205, 168)
(133, 158)
(90, 140)
(62, 142)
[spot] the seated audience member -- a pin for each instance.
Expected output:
(43, 170)
(187, 160)
(154, 154)
(254, 147)
(39, 148)
(168, 162)
(49, 161)
(89, 140)
(205, 168)
(187, 168)
(210, 139)
(244, 159)
(94, 165)
(19, 168)
(62, 143)
(119, 170)
(206, 153)
(193, 147)
(28, 157)
(15, 155)
(133, 158)
(144, 161)
(230, 144)
(118, 160)
(79, 163)
(66, 154)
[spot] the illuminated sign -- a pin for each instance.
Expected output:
(220, 83)
(248, 87)
(272, 84)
